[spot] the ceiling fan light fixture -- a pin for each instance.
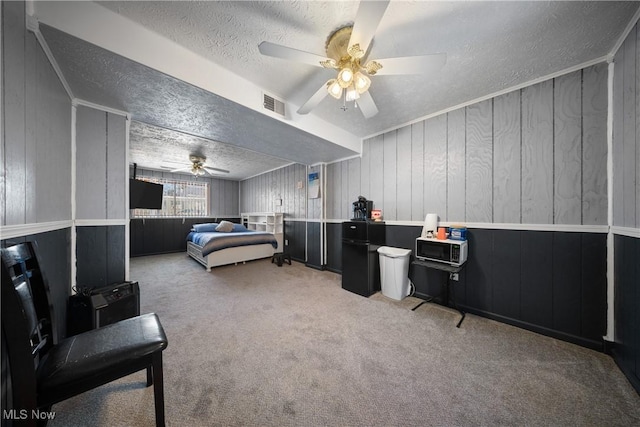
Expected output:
(334, 88)
(329, 63)
(345, 77)
(361, 82)
(372, 67)
(352, 94)
(355, 51)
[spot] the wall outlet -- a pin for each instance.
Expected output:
(286, 242)
(454, 276)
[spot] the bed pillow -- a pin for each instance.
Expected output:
(225, 227)
(239, 228)
(205, 228)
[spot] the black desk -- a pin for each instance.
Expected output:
(449, 269)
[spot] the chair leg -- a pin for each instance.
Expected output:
(149, 376)
(158, 388)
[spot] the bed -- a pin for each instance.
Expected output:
(213, 246)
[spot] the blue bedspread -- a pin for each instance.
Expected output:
(214, 241)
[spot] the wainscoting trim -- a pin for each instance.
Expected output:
(503, 226)
(100, 222)
(20, 230)
(626, 231)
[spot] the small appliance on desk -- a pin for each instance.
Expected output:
(362, 209)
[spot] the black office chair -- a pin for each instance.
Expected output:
(43, 371)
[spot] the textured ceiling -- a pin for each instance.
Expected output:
(171, 105)
(148, 144)
(490, 47)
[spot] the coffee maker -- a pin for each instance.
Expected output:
(362, 209)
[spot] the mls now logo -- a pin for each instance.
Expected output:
(23, 414)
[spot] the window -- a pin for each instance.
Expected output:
(179, 199)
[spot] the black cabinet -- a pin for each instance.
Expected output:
(360, 261)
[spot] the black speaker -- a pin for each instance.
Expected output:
(103, 306)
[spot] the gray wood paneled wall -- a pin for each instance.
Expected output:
(259, 194)
(36, 142)
(626, 133)
(532, 156)
(100, 164)
(224, 193)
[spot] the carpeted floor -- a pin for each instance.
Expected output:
(261, 345)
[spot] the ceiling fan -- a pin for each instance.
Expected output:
(198, 167)
(347, 51)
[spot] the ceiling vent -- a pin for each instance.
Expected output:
(272, 104)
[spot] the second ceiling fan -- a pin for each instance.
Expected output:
(347, 52)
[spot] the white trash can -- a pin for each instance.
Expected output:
(394, 272)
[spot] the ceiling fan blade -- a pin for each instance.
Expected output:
(367, 105)
(412, 64)
(314, 100)
(188, 168)
(211, 170)
(291, 54)
(368, 17)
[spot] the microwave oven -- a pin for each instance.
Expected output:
(452, 252)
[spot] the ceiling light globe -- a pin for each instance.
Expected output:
(334, 89)
(362, 82)
(345, 77)
(352, 94)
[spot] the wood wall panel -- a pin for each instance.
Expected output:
(626, 205)
(479, 163)
(456, 158)
(52, 124)
(117, 166)
(618, 139)
(100, 256)
(389, 172)
(332, 202)
(365, 171)
(536, 278)
(14, 103)
(435, 165)
(537, 153)
(36, 139)
(532, 156)
(32, 108)
(594, 145)
(594, 286)
(506, 267)
(506, 158)
(91, 163)
(567, 283)
(525, 278)
(417, 172)
(353, 169)
(376, 175)
(629, 131)
(404, 174)
(567, 156)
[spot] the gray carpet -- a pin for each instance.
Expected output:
(261, 345)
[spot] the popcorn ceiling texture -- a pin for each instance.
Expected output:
(490, 46)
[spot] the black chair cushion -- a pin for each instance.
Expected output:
(96, 357)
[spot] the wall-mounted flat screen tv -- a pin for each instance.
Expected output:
(144, 195)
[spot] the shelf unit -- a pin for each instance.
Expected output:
(271, 222)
